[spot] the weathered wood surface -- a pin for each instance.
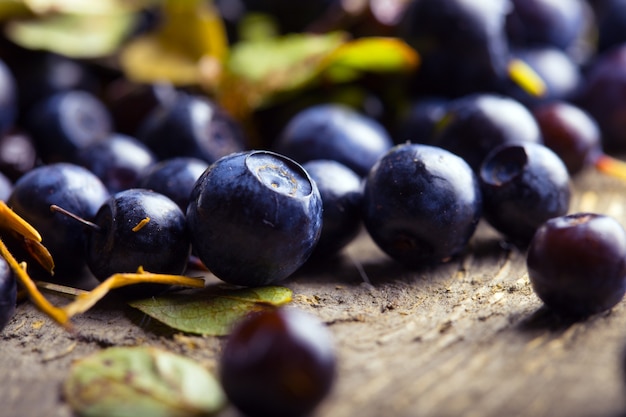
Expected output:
(468, 338)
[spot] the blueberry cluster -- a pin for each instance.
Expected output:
(510, 102)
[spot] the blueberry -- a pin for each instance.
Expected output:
(523, 185)
(462, 44)
(603, 96)
(130, 103)
(547, 22)
(421, 204)
(561, 75)
(18, 153)
(138, 228)
(174, 177)
(6, 187)
(476, 124)
(419, 123)
(65, 122)
(118, 160)
(278, 363)
(40, 74)
(193, 126)
(341, 192)
(67, 185)
(8, 98)
(254, 217)
(611, 23)
(8, 293)
(336, 132)
(571, 133)
(577, 263)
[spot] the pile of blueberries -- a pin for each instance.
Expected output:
(512, 100)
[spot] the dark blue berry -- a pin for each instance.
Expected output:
(130, 103)
(560, 74)
(40, 74)
(547, 22)
(278, 363)
(255, 217)
(174, 177)
(138, 228)
(603, 96)
(118, 160)
(6, 187)
(67, 121)
(336, 132)
(70, 186)
(8, 98)
(18, 154)
(577, 263)
(462, 44)
(571, 133)
(341, 192)
(193, 126)
(421, 204)
(8, 293)
(523, 185)
(475, 125)
(420, 122)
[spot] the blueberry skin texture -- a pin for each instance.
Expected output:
(65, 122)
(254, 217)
(8, 98)
(174, 177)
(333, 131)
(421, 204)
(162, 245)
(476, 124)
(118, 160)
(6, 187)
(462, 44)
(577, 263)
(71, 187)
(192, 126)
(523, 186)
(342, 193)
(278, 363)
(8, 293)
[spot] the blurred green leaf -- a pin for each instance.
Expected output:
(83, 7)
(375, 55)
(211, 311)
(257, 72)
(187, 49)
(13, 8)
(78, 36)
(141, 381)
(283, 62)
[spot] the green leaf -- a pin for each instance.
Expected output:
(283, 62)
(260, 71)
(141, 381)
(94, 7)
(381, 55)
(10, 9)
(187, 49)
(78, 36)
(211, 311)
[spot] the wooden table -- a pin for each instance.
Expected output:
(468, 338)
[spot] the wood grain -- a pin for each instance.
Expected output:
(468, 338)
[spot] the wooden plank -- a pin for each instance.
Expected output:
(468, 338)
